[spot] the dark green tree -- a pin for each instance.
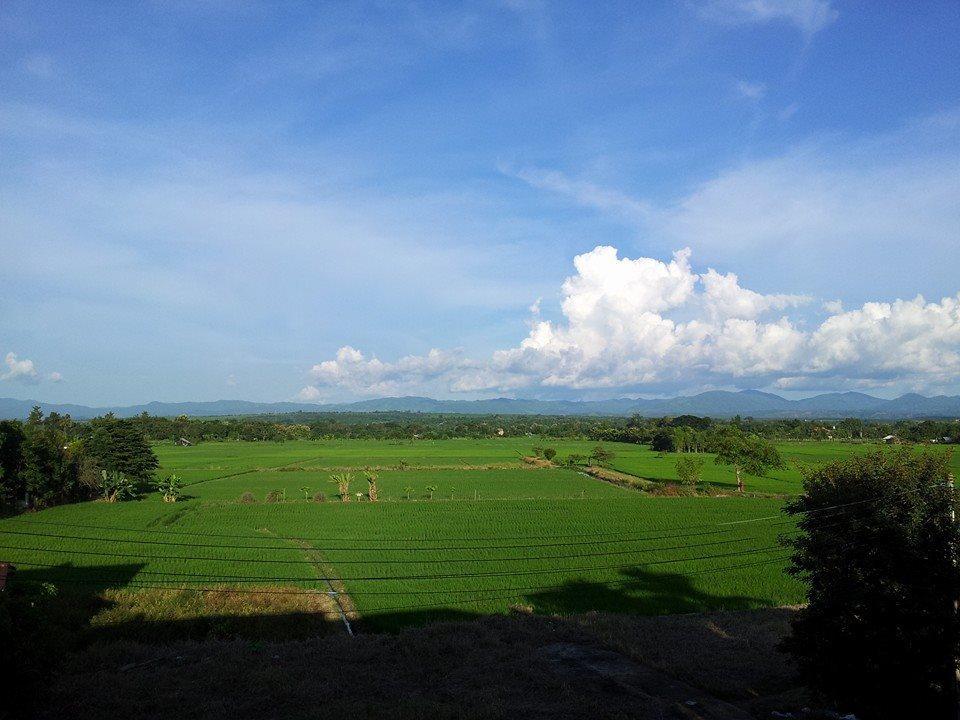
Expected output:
(662, 440)
(48, 472)
(120, 446)
(11, 459)
(878, 550)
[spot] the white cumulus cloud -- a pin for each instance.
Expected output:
(643, 322)
(23, 370)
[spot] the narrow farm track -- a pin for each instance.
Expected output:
(338, 592)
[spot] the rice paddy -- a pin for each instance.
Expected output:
(461, 527)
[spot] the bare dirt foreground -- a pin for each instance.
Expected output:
(718, 665)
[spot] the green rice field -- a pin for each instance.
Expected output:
(461, 527)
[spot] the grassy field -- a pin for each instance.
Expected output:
(494, 532)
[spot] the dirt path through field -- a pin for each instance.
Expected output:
(338, 592)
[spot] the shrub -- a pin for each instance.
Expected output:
(878, 549)
(275, 496)
(171, 488)
(601, 456)
(247, 498)
(319, 497)
(115, 486)
(36, 627)
(689, 469)
(668, 490)
(549, 453)
(577, 460)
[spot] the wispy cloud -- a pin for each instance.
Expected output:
(808, 16)
(863, 202)
(40, 66)
(751, 90)
(582, 192)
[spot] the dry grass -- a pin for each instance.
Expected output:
(618, 478)
(537, 462)
(254, 612)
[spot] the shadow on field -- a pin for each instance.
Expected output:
(91, 605)
(588, 652)
(639, 592)
(72, 593)
(722, 665)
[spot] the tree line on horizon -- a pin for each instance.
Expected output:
(439, 426)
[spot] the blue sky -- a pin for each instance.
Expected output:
(278, 200)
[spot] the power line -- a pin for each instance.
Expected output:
(179, 532)
(366, 561)
(353, 548)
(151, 584)
(446, 576)
(723, 524)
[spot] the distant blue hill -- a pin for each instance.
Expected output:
(718, 403)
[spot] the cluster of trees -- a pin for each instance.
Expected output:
(685, 433)
(690, 433)
(363, 426)
(50, 460)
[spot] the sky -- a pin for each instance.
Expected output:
(334, 201)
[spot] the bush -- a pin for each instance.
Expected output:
(34, 635)
(601, 456)
(170, 487)
(115, 486)
(247, 498)
(689, 469)
(878, 549)
(549, 453)
(319, 497)
(275, 496)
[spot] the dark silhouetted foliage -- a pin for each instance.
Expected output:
(879, 636)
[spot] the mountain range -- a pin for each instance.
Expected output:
(717, 403)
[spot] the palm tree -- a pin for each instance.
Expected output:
(343, 481)
(372, 483)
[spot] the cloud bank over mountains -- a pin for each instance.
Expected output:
(646, 324)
